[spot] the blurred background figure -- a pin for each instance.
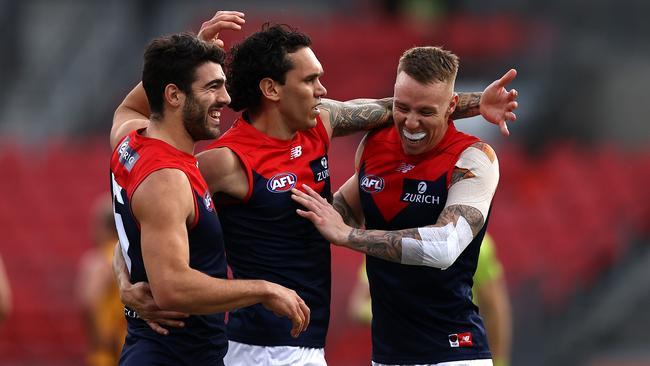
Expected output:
(490, 294)
(97, 293)
(5, 293)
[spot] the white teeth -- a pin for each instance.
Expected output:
(214, 114)
(413, 136)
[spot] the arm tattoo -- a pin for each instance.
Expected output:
(468, 105)
(342, 207)
(387, 245)
(459, 174)
(358, 115)
(381, 244)
(472, 215)
(486, 149)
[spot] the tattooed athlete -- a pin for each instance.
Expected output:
(425, 207)
(280, 141)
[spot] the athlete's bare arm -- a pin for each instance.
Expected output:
(454, 229)
(139, 298)
(132, 114)
(346, 200)
(495, 104)
(224, 172)
(165, 252)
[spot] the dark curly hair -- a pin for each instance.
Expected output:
(174, 60)
(261, 55)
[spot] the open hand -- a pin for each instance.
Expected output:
(221, 20)
(323, 215)
(497, 104)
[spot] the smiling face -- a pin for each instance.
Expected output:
(421, 112)
(203, 106)
(302, 91)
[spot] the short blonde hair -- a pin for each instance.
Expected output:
(429, 64)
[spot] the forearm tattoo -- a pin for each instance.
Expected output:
(358, 115)
(381, 244)
(468, 105)
(342, 207)
(472, 215)
(387, 245)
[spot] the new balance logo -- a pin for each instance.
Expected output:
(296, 151)
(404, 168)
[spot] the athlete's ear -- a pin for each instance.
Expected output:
(452, 104)
(270, 89)
(174, 96)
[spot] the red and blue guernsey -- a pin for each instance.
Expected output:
(266, 239)
(203, 340)
(421, 315)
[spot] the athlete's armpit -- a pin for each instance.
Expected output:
(358, 114)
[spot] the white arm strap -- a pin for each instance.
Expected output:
(441, 246)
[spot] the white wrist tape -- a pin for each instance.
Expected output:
(477, 191)
(439, 247)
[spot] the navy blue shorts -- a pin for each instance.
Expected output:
(159, 351)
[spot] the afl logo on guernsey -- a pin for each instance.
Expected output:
(372, 184)
(281, 182)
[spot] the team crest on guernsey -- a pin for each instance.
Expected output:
(372, 184)
(282, 182)
(207, 201)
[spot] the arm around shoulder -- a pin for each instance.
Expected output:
(132, 114)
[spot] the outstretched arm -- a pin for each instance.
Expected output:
(470, 194)
(495, 104)
(344, 118)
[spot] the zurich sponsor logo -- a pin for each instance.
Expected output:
(422, 187)
(323, 162)
(372, 184)
(281, 182)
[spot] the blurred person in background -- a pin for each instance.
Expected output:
(491, 296)
(282, 138)
(441, 182)
(97, 293)
(489, 293)
(5, 293)
(169, 232)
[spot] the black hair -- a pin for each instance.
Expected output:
(261, 55)
(174, 60)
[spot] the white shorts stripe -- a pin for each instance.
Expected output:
(241, 354)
